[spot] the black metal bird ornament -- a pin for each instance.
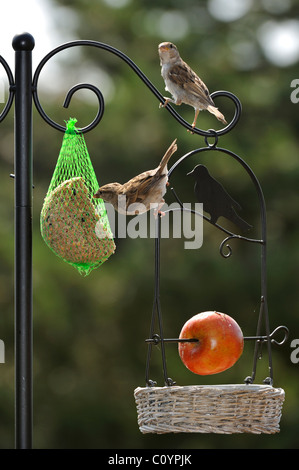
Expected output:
(215, 199)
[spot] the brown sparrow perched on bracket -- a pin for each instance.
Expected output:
(137, 195)
(184, 85)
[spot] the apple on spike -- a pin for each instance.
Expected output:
(219, 346)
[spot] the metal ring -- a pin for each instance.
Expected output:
(213, 134)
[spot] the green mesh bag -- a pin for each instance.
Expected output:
(73, 224)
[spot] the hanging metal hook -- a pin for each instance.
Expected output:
(66, 103)
(100, 97)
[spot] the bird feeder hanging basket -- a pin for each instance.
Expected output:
(73, 224)
(221, 409)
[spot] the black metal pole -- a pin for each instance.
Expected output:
(23, 45)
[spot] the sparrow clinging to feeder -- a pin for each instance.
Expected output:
(183, 83)
(137, 195)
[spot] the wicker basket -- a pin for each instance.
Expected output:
(223, 409)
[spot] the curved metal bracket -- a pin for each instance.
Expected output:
(205, 133)
(144, 79)
(11, 88)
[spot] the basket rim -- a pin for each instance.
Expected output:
(214, 386)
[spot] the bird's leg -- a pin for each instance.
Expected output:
(167, 100)
(161, 213)
(194, 120)
(158, 210)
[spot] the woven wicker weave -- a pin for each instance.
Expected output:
(223, 409)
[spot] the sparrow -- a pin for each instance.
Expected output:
(137, 195)
(215, 199)
(183, 83)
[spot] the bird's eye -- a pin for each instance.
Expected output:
(171, 46)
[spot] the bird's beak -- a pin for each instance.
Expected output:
(163, 47)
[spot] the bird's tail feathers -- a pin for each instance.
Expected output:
(216, 113)
(169, 152)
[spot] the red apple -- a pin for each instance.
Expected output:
(220, 343)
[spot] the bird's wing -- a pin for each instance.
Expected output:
(138, 186)
(183, 76)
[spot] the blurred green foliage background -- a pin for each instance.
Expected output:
(89, 349)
